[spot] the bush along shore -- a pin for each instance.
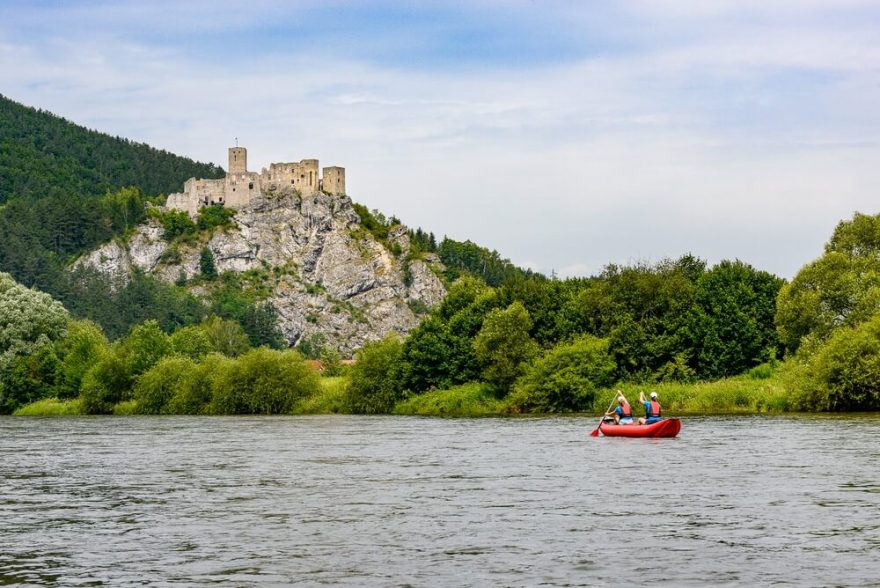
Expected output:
(746, 394)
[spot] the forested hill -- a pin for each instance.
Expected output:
(42, 154)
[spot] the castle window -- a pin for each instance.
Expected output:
(251, 186)
(291, 181)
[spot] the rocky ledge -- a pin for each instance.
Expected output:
(329, 275)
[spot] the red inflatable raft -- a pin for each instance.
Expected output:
(664, 428)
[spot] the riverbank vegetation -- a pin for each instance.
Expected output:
(706, 339)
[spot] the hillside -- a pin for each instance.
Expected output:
(42, 154)
(327, 279)
(66, 191)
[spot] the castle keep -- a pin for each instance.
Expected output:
(240, 186)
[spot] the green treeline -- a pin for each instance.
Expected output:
(537, 345)
(43, 155)
(530, 345)
(548, 346)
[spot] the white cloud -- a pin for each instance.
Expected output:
(738, 140)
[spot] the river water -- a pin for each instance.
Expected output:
(388, 501)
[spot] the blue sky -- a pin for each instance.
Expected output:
(566, 135)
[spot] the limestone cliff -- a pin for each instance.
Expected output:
(326, 274)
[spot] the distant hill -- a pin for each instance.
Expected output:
(42, 155)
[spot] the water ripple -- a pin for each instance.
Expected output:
(377, 501)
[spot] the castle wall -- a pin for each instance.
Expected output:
(182, 201)
(333, 181)
(302, 175)
(241, 186)
(205, 192)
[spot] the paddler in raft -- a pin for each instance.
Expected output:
(623, 413)
(652, 409)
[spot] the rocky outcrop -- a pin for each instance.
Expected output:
(328, 275)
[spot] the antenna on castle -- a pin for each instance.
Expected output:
(236, 141)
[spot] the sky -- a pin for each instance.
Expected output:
(566, 135)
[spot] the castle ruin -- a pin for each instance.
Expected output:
(240, 186)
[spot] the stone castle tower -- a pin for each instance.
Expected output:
(237, 160)
(240, 186)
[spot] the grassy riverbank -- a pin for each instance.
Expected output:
(761, 391)
(738, 395)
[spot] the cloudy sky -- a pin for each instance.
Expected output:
(565, 134)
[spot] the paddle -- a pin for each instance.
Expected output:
(595, 433)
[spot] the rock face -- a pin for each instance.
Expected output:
(328, 275)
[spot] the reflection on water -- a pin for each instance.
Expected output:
(392, 500)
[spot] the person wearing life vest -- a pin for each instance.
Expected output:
(623, 413)
(652, 409)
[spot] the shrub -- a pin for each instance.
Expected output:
(566, 378)
(194, 394)
(330, 399)
(468, 400)
(27, 379)
(761, 372)
(82, 347)
(144, 346)
(844, 373)
(105, 384)
(177, 223)
(156, 387)
(263, 381)
(375, 383)
(51, 407)
(215, 216)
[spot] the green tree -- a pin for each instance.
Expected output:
(156, 387)
(28, 378)
(82, 347)
(144, 346)
(260, 322)
(841, 288)
(263, 381)
(192, 342)
(504, 347)
(227, 337)
(374, 386)
(29, 321)
(206, 263)
(843, 374)
(565, 378)
(106, 383)
(732, 321)
(195, 393)
(331, 361)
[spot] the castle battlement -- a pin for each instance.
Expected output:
(240, 186)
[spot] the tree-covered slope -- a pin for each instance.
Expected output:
(42, 154)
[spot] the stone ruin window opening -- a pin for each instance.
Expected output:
(251, 186)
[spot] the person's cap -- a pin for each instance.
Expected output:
(621, 399)
(653, 395)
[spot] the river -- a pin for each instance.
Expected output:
(388, 501)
